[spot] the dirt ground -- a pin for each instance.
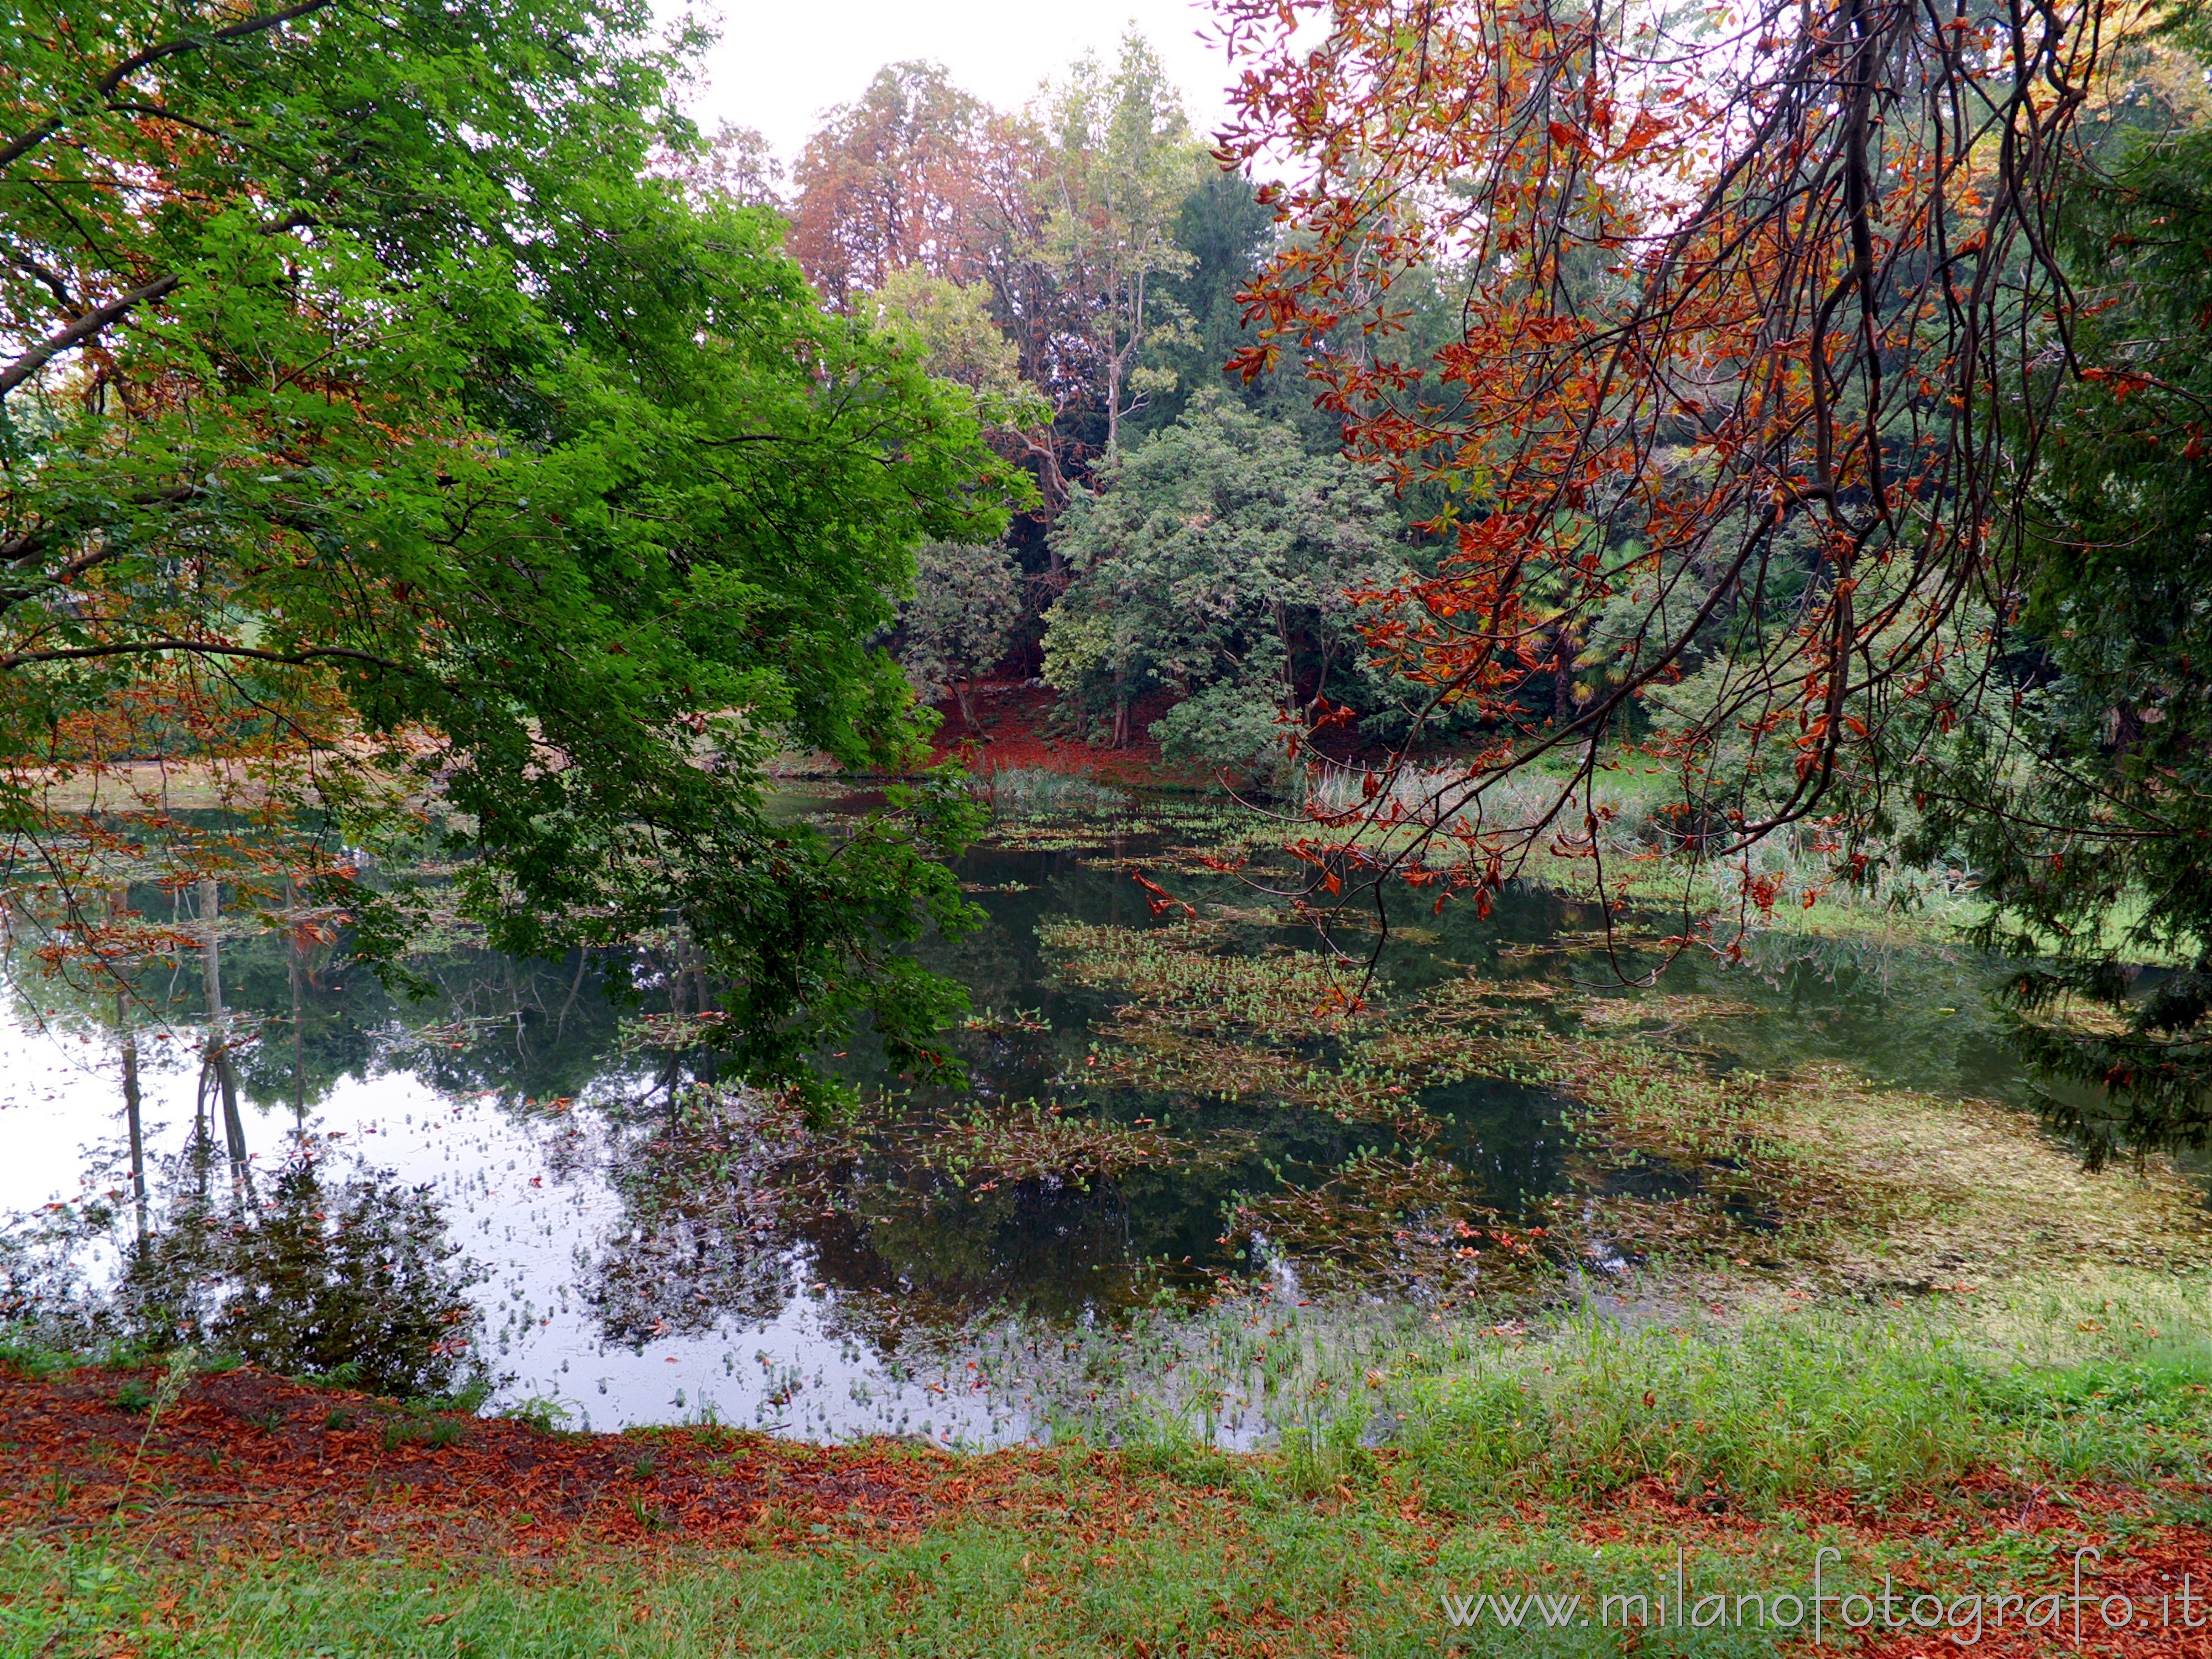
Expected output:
(1010, 733)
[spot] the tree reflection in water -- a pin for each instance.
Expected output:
(350, 1277)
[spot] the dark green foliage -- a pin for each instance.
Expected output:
(464, 431)
(1215, 561)
(2090, 818)
(1229, 236)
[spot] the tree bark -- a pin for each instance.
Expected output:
(131, 1116)
(133, 1122)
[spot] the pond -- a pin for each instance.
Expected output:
(1167, 1111)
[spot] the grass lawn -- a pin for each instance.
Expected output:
(1962, 1453)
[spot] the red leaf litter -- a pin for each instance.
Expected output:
(1010, 735)
(249, 1460)
(2138, 1584)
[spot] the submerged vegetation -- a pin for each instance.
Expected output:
(1185, 1088)
(1816, 1179)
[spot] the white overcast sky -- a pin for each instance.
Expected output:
(780, 63)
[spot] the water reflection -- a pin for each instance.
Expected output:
(347, 1275)
(644, 1246)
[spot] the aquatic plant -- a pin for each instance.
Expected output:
(1031, 1021)
(992, 1146)
(1139, 1050)
(1029, 792)
(1404, 1223)
(1174, 972)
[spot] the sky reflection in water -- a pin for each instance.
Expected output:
(641, 1269)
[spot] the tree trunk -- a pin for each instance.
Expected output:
(702, 997)
(132, 1123)
(672, 1068)
(1563, 675)
(1313, 706)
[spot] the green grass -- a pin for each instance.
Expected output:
(1549, 1459)
(1303, 1585)
(1032, 791)
(2106, 1378)
(1789, 1405)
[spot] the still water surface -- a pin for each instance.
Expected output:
(637, 1266)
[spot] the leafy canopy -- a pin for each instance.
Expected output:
(967, 601)
(2089, 813)
(380, 438)
(1217, 561)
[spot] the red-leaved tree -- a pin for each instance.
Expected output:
(1729, 439)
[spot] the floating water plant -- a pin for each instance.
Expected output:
(1176, 971)
(1404, 1222)
(990, 1020)
(989, 1147)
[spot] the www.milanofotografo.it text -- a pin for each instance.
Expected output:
(1825, 1606)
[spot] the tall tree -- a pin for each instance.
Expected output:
(1122, 164)
(1215, 561)
(2086, 807)
(735, 165)
(967, 601)
(920, 183)
(891, 180)
(949, 327)
(1229, 235)
(377, 439)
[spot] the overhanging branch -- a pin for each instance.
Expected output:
(79, 331)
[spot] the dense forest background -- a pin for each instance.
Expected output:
(431, 440)
(1211, 380)
(1080, 268)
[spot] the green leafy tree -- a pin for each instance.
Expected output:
(378, 436)
(1229, 234)
(1122, 163)
(1217, 561)
(949, 327)
(967, 602)
(736, 165)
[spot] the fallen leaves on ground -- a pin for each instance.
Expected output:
(249, 1459)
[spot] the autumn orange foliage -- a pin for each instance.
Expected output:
(1744, 295)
